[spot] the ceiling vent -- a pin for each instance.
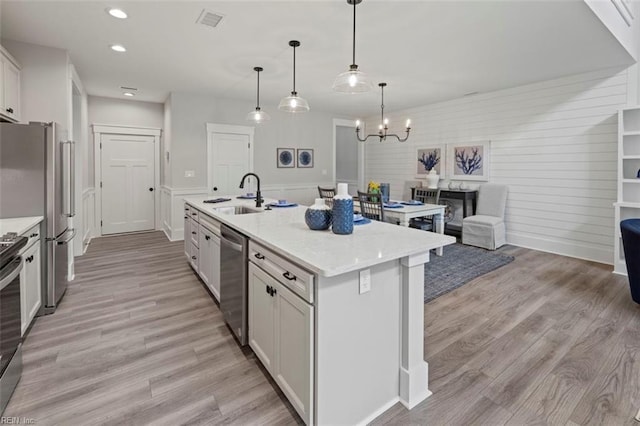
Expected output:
(210, 19)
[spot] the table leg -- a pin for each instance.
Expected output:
(403, 222)
(438, 221)
(464, 206)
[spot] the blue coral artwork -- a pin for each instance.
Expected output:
(469, 161)
(286, 158)
(305, 158)
(428, 159)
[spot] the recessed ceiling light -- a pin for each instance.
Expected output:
(128, 94)
(118, 48)
(117, 13)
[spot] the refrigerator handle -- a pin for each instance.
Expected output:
(72, 180)
(70, 198)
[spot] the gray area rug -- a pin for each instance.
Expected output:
(458, 265)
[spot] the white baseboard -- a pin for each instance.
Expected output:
(379, 411)
(581, 251)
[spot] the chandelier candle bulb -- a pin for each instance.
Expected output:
(408, 124)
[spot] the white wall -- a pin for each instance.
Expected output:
(554, 143)
(165, 176)
(190, 112)
(621, 23)
(125, 112)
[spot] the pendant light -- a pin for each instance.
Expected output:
(384, 124)
(258, 116)
(294, 103)
(354, 80)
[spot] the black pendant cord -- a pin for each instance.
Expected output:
(294, 71)
(258, 93)
(353, 62)
(382, 107)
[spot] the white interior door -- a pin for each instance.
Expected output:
(127, 185)
(229, 158)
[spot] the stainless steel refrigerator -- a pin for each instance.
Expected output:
(37, 179)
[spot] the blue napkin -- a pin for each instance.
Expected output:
(364, 221)
(282, 204)
(412, 203)
(393, 206)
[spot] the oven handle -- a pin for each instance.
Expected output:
(12, 275)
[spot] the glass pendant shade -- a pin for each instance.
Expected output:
(293, 103)
(258, 116)
(352, 81)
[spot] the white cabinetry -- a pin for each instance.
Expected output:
(281, 327)
(209, 261)
(30, 278)
(9, 87)
(202, 247)
(628, 205)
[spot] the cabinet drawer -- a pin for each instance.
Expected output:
(193, 213)
(33, 234)
(289, 274)
(193, 226)
(209, 223)
(187, 210)
(193, 256)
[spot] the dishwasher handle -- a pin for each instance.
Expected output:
(230, 244)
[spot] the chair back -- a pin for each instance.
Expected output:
(492, 200)
(427, 196)
(369, 208)
(326, 192)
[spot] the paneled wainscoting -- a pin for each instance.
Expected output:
(138, 340)
(553, 143)
(88, 217)
(172, 202)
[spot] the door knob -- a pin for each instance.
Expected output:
(151, 189)
(215, 188)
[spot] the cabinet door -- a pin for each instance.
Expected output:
(187, 237)
(261, 316)
(11, 90)
(30, 285)
(204, 260)
(294, 349)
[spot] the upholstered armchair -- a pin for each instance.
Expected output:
(630, 229)
(487, 229)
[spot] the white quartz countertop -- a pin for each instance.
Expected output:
(323, 252)
(19, 225)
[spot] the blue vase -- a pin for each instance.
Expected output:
(384, 191)
(342, 221)
(318, 216)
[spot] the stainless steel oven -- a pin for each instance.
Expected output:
(10, 318)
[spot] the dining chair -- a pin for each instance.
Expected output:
(371, 205)
(427, 196)
(486, 228)
(326, 192)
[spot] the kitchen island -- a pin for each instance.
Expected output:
(348, 335)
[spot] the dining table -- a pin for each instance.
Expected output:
(406, 212)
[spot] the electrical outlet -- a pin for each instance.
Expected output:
(189, 173)
(365, 281)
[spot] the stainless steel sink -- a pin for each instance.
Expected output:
(238, 210)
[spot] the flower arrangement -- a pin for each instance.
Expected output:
(373, 188)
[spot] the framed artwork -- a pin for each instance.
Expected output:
(286, 158)
(429, 158)
(468, 161)
(305, 158)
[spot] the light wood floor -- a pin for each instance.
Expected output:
(138, 340)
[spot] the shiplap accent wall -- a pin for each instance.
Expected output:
(553, 143)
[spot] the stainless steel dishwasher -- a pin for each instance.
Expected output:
(233, 281)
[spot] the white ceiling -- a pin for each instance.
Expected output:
(426, 50)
